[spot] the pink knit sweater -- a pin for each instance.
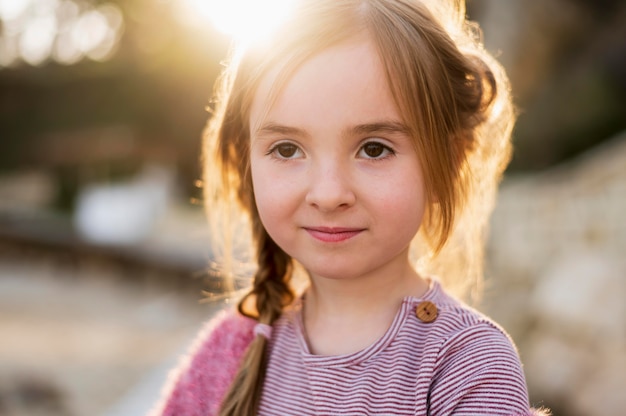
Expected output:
(196, 387)
(201, 381)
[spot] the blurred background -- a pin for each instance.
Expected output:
(103, 245)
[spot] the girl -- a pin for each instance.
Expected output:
(361, 132)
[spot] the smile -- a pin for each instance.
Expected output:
(333, 234)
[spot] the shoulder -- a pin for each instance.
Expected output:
(228, 333)
(476, 368)
(473, 344)
(463, 329)
(457, 323)
(196, 386)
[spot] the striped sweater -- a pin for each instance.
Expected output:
(459, 364)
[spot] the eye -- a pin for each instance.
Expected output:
(375, 150)
(285, 151)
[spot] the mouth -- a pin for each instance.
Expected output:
(333, 234)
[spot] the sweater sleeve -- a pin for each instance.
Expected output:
(478, 372)
(197, 386)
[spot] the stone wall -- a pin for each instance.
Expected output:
(557, 280)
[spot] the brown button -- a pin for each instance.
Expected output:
(426, 311)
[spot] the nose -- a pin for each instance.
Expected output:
(330, 188)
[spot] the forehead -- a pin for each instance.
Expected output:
(348, 78)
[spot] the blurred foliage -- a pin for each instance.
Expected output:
(148, 100)
(579, 99)
(97, 120)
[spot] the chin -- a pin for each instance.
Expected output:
(334, 273)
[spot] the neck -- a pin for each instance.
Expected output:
(346, 315)
(376, 289)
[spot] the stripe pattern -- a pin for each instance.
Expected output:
(461, 364)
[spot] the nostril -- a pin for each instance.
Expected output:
(330, 196)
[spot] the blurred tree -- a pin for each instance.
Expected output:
(149, 94)
(108, 107)
(566, 60)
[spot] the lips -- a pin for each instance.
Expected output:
(333, 234)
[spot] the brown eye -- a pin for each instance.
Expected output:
(286, 150)
(374, 150)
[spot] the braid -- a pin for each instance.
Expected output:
(271, 293)
(271, 281)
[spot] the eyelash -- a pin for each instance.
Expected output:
(274, 150)
(386, 150)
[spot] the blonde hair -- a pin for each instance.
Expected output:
(453, 96)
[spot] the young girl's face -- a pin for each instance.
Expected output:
(336, 178)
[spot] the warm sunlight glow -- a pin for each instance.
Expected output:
(66, 31)
(244, 20)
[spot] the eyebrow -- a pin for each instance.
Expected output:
(379, 127)
(274, 128)
(359, 129)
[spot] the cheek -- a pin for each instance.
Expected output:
(273, 193)
(262, 189)
(404, 203)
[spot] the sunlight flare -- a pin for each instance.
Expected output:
(244, 20)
